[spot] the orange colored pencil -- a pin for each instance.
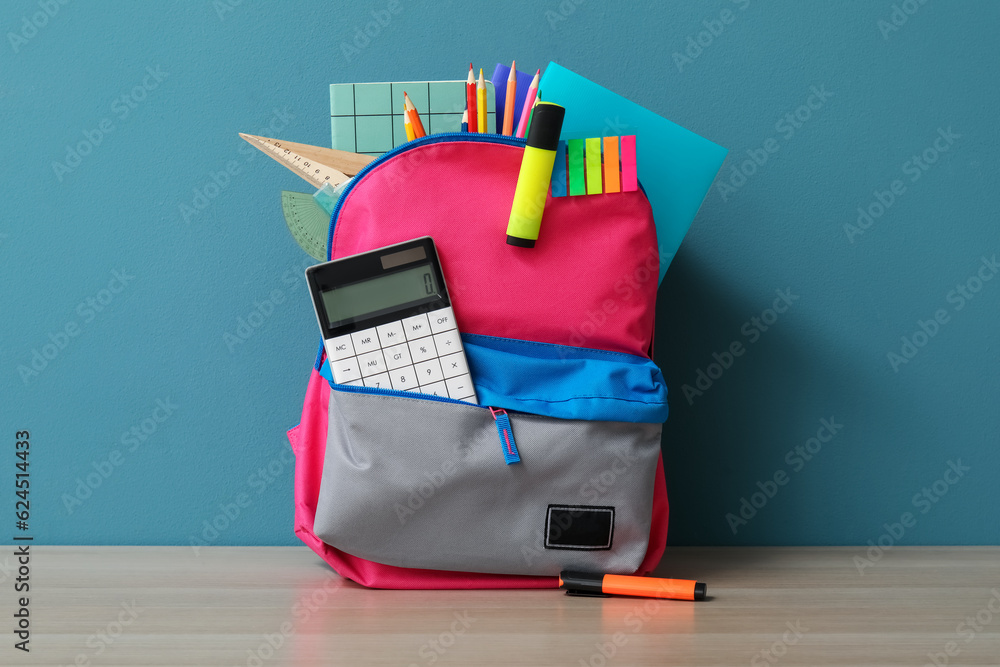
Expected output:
(470, 99)
(418, 127)
(508, 108)
(407, 125)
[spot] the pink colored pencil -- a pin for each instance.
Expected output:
(522, 125)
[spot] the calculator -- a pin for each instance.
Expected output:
(387, 321)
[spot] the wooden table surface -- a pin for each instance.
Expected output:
(284, 606)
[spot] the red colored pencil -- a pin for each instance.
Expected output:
(470, 99)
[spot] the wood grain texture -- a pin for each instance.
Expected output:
(222, 605)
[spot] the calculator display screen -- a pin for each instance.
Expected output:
(380, 295)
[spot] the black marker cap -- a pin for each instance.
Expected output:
(546, 124)
(582, 582)
(519, 242)
(700, 591)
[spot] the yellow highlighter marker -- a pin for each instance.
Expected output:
(536, 172)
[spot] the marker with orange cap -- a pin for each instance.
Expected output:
(584, 583)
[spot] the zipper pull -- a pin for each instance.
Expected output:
(506, 433)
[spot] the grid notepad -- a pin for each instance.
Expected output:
(367, 118)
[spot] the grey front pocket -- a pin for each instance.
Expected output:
(421, 483)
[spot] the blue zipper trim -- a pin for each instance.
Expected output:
(504, 430)
(475, 137)
(318, 364)
(354, 389)
(506, 433)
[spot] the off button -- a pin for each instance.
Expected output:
(441, 320)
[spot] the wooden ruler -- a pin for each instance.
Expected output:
(315, 164)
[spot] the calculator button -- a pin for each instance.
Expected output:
(428, 371)
(391, 334)
(435, 389)
(340, 347)
(454, 364)
(448, 342)
(416, 327)
(380, 381)
(396, 356)
(371, 363)
(404, 378)
(441, 320)
(461, 387)
(355, 383)
(422, 350)
(345, 370)
(365, 341)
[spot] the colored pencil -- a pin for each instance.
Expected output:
(465, 121)
(481, 101)
(538, 98)
(470, 99)
(407, 124)
(508, 109)
(418, 126)
(529, 102)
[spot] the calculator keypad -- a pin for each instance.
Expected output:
(371, 363)
(380, 381)
(422, 350)
(365, 341)
(422, 353)
(429, 371)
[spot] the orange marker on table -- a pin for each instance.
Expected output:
(583, 583)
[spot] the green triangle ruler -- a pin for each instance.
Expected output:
(307, 221)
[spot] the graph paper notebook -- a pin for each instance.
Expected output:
(368, 117)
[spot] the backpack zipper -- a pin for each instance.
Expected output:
(506, 434)
(354, 389)
(487, 137)
(414, 143)
(504, 429)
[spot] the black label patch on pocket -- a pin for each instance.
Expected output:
(583, 527)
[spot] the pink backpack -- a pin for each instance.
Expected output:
(398, 490)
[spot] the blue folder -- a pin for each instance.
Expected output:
(499, 79)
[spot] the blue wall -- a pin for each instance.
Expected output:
(102, 245)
